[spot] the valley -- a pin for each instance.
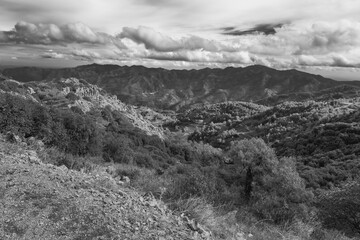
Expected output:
(273, 146)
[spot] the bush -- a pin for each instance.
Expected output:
(72, 96)
(273, 189)
(340, 209)
(58, 158)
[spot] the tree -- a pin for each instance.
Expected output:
(273, 188)
(257, 159)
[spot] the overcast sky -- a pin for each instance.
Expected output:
(321, 36)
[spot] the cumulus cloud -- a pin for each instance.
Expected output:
(157, 41)
(195, 42)
(341, 61)
(203, 56)
(338, 36)
(314, 38)
(150, 38)
(85, 54)
(296, 44)
(335, 43)
(330, 60)
(30, 33)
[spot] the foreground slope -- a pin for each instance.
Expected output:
(42, 201)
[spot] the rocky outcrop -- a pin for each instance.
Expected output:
(91, 96)
(72, 92)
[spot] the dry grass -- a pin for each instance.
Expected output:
(239, 225)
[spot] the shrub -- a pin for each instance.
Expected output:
(72, 96)
(273, 189)
(340, 209)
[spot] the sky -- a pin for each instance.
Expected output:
(321, 36)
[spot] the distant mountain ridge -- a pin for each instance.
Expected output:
(174, 89)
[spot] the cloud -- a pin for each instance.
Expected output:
(341, 61)
(53, 55)
(156, 3)
(41, 33)
(79, 32)
(203, 56)
(3, 37)
(334, 43)
(337, 36)
(266, 29)
(85, 54)
(154, 40)
(330, 60)
(150, 38)
(308, 37)
(296, 44)
(195, 42)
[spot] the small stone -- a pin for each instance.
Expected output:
(63, 168)
(126, 179)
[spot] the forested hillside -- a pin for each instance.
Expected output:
(280, 165)
(178, 89)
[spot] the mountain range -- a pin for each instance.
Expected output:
(175, 89)
(303, 128)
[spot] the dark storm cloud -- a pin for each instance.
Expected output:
(267, 29)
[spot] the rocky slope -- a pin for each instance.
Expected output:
(71, 92)
(173, 89)
(42, 201)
